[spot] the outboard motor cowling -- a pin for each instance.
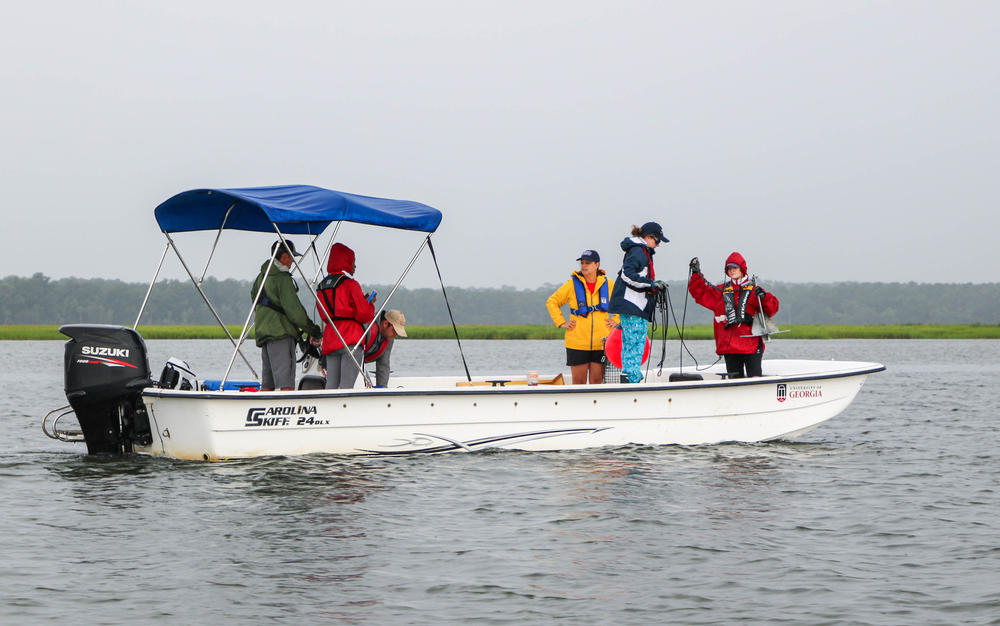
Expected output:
(173, 376)
(106, 369)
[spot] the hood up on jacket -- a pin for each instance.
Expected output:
(738, 259)
(630, 242)
(341, 260)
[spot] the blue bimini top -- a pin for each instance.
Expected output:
(295, 209)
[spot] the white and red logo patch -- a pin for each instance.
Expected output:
(796, 392)
(102, 355)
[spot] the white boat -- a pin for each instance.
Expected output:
(436, 414)
(122, 410)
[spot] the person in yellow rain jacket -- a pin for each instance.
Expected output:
(587, 294)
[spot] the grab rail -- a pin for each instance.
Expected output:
(52, 431)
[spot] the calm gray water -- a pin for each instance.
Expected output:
(888, 514)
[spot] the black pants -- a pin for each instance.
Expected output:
(736, 363)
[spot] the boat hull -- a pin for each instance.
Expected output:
(433, 415)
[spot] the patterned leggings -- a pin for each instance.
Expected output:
(634, 331)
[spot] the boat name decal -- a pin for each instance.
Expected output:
(283, 416)
(104, 351)
(786, 391)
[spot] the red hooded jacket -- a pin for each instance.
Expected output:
(730, 340)
(351, 311)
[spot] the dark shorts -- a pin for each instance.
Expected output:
(581, 357)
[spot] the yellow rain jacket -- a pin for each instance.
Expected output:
(589, 330)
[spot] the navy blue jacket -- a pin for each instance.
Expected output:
(633, 293)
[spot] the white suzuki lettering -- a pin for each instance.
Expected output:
(103, 351)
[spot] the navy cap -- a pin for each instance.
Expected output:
(590, 255)
(652, 228)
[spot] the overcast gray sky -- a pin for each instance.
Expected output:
(826, 141)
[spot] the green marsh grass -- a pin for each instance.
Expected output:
(529, 331)
(51, 331)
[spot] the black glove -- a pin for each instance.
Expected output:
(308, 349)
(695, 266)
(659, 285)
(760, 292)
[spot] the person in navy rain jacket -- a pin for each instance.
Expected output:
(634, 295)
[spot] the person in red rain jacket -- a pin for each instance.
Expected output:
(345, 307)
(734, 303)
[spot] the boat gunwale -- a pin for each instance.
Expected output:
(154, 392)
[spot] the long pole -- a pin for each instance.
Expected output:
(430, 247)
(329, 316)
(215, 244)
(208, 302)
(246, 324)
(150, 289)
(385, 301)
(326, 255)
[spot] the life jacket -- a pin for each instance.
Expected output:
(264, 300)
(374, 343)
(736, 307)
(269, 303)
(581, 298)
(326, 290)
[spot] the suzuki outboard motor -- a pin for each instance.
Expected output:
(106, 370)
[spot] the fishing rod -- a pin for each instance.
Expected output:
(679, 375)
(680, 331)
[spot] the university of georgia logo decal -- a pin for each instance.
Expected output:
(782, 392)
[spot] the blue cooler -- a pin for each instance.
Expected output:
(231, 385)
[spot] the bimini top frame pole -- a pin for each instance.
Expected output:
(246, 324)
(150, 289)
(426, 242)
(329, 316)
(385, 301)
(215, 243)
(325, 255)
(430, 246)
(319, 303)
(208, 302)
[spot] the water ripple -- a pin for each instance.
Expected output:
(886, 515)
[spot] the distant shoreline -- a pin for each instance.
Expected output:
(14, 332)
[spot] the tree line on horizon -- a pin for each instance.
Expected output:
(41, 300)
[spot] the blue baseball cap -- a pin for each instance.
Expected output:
(590, 255)
(652, 228)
